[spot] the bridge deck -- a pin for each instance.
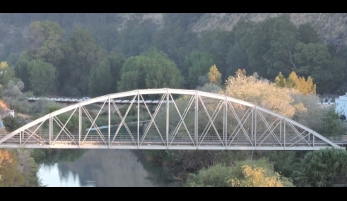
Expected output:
(127, 142)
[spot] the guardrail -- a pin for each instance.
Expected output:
(93, 138)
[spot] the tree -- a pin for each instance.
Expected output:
(208, 87)
(217, 43)
(104, 78)
(3, 106)
(42, 77)
(22, 71)
(108, 36)
(12, 123)
(257, 173)
(240, 55)
(81, 54)
(261, 92)
(6, 74)
(28, 167)
(215, 76)
(312, 114)
(282, 38)
(9, 173)
(215, 176)
(322, 168)
(307, 34)
(196, 65)
(280, 80)
(236, 59)
(176, 42)
(331, 123)
(100, 80)
(152, 69)
(135, 37)
(295, 82)
(13, 95)
(45, 41)
(314, 59)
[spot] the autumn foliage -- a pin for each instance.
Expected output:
(298, 83)
(9, 173)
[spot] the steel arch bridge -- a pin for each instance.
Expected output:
(181, 120)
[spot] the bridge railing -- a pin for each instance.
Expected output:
(121, 138)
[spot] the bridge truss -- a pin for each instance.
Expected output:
(181, 119)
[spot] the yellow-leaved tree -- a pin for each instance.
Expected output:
(295, 82)
(261, 92)
(10, 176)
(215, 76)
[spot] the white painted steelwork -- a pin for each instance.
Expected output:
(181, 119)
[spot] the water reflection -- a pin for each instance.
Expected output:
(100, 168)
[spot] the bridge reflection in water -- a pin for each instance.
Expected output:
(181, 119)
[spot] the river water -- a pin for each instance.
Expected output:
(104, 168)
(100, 168)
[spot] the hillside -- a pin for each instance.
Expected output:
(60, 39)
(331, 27)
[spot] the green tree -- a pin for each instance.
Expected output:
(81, 54)
(314, 59)
(282, 39)
(196, 65)
(322, 168)
(13, 95)
(42, 77)
(100, 80)
(257, 173)
(331, 123)
(28, 167)
(108, 36)
(152, 69)
(104, 78)
(22, 71)
(12, 123)
(177, 42)
(45, 39)
(215, 176)
(307, 34)
(236, 58)
(217, 43)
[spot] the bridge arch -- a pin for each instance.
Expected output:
(195, 120)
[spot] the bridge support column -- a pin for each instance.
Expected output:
(109, 121)
(79, 125)
(225, 122)
(167, 119)
(284, 134)
(138, 119)
(50, 131)
(255, 127)
(196, 125)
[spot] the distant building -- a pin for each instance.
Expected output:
(341, 105)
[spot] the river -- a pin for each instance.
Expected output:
(100, 168)
(103, 168)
